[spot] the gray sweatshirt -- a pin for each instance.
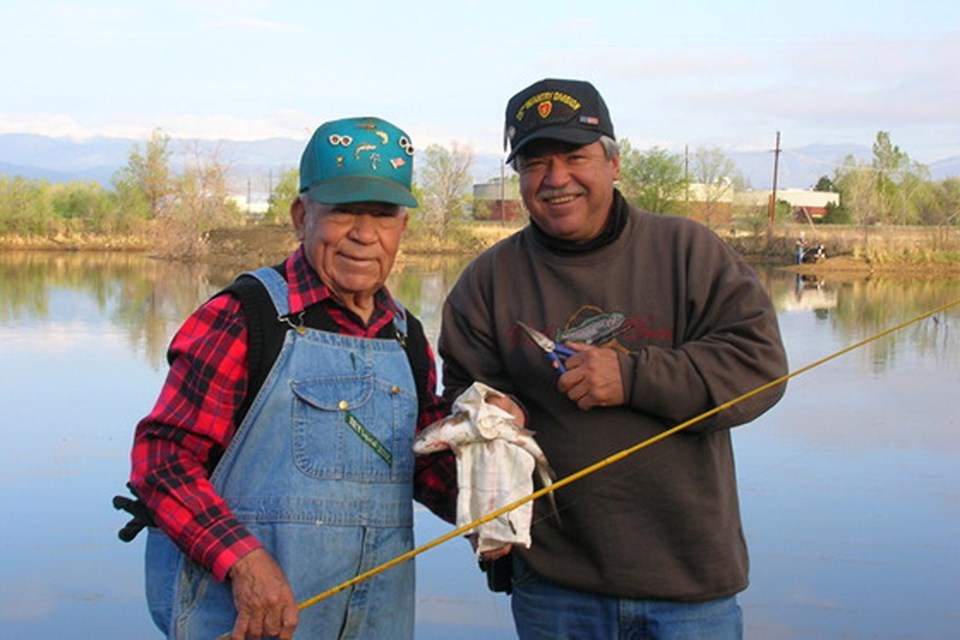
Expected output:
(694, 328)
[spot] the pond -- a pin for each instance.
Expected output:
(849, 485)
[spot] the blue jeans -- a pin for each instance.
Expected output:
(543, 610)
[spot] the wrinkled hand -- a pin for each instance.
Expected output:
(592, 378)
(264, 600)
(509, 405)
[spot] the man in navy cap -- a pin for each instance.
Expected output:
(661, 321)
(277, 462)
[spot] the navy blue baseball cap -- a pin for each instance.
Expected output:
(567, 110)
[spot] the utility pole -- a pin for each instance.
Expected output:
(772, 204)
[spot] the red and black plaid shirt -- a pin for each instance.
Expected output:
(178, 443)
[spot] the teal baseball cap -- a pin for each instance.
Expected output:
(358, 160)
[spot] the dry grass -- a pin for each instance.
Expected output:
(462, 239)
(78, 242)
(871, 248)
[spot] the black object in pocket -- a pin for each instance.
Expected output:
(499, 574)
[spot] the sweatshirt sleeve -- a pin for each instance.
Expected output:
(727, 343)
(469, 346)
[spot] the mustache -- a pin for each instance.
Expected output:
(548, 193)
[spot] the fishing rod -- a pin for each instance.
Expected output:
(597, 466)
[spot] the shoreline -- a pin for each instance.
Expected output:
(909, 251)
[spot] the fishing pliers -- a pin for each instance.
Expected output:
(556, 353)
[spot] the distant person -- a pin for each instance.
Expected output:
(277, 462)
(661, 321)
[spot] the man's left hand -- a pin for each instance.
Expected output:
(491, 554)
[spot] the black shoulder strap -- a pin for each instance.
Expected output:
(265, 334)
(416, 347)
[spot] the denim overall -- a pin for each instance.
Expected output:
(320, 471)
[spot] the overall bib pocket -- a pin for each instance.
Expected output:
(352, 428)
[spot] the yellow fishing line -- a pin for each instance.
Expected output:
(597, 466)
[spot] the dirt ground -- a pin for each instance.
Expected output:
(258, 244)
(269, 244)
(238, 248)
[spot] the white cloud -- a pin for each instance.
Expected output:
(283, 124)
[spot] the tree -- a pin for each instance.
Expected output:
(145, 183)
(653, 179)
(717, 177)
(825, 184)
(282, 196)
(200, 202)
(856, 183)
(898, 182)
(88, 205)
(890, 188)
(25, 206)
(945, 204)
(445, 183)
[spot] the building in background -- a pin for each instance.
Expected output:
(711, 204)
(497, 200)
(807, 206)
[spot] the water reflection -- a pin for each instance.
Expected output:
(849, 485)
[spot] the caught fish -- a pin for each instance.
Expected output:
(457, 430)
(478, 425)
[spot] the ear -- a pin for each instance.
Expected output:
(298, 213)
(616, 167)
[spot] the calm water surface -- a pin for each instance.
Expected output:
(849, 486)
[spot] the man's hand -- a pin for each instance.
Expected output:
(263, 598)
(491, 554)
(592, 378)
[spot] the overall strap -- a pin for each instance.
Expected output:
(272, 279)
(411, 336)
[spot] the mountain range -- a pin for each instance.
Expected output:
(255, 165)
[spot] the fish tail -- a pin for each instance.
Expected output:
(546, 478)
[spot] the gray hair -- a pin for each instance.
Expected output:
(611, 150)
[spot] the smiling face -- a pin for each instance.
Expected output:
(351, 246)
(567, 189)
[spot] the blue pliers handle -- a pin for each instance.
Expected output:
(556, 353)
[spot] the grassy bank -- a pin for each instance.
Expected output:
(909, 249)
(872, 248)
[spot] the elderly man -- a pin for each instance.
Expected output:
(659, 322)
(277, 461)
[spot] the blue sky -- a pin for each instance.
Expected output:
(675, 73)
